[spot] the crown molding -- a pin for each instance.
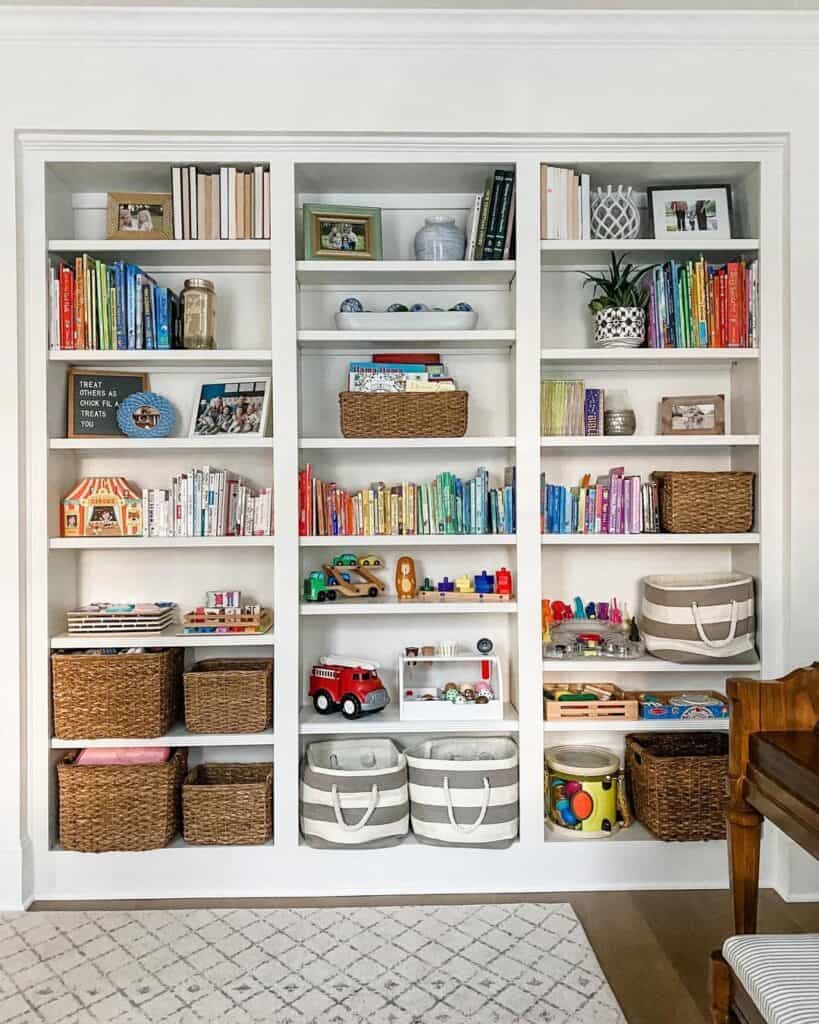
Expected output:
(408, 29)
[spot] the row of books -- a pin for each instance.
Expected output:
(614, 503)
(207, 502)
(703, 305)
(569, 409)
(409, 372)
(490, 230)
(565, 203)
(220, 204)
(96, 306)
(445, 505)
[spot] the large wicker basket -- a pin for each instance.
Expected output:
(393, 414)
(229, 695)
(721, 502)
(677, 783)
(124, 695)
(228, 804)
(119, 807)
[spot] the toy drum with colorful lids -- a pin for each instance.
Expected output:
(581, 787)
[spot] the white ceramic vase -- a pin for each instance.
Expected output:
(620, 327)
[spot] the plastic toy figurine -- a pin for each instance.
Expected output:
(561, 611)
(579, 610)
(349, 685)
(463, 585)
(603, 611)
(503, 581)
(468, 693)
(405, 586)
(615, 615)
(484, 584)
(451, 692)
(591, 610)
(484, 693)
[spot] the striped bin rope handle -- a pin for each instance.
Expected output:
(371, 805)
(716, 644)
(484, 808)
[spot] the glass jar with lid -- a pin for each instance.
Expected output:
(198, 313)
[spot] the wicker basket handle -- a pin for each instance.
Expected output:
(371, 805)
(716, 644)
(484, 807)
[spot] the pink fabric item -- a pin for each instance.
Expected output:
(122, 755)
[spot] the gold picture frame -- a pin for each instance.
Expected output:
(692, 415)
(139, 216)
(342, 232)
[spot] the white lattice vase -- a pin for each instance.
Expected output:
(620, 327)
(614, 214)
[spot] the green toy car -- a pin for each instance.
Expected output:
(316, 588)
(346, 559)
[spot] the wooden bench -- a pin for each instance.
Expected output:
(773, 772)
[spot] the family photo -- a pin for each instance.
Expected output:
(231, 407)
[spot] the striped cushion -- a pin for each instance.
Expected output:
(780, 973)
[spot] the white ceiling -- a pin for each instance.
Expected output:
(546, 5)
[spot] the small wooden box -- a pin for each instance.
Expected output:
(621, 706)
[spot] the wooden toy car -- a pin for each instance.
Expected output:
(346, 559)
(317, 588)
(373, 561)
(342, 582)
(349, 685)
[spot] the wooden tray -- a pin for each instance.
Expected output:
(622, 706)
(227, 622)
(443, 596)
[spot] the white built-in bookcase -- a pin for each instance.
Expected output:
(275, 316)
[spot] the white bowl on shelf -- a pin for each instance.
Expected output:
(447, 320)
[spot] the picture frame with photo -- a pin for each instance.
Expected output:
(692, 415)
(342, 232)
(678, 212)
(240, 406)
(139, 216)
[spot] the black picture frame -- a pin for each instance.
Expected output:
(652, 189)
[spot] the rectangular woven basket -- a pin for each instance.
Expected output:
(395, 414)
(228, 804)
(678, 784)
(229, 695)
(721, 502)
(95, 696)
(119, 807)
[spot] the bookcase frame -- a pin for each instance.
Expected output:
(536, 862)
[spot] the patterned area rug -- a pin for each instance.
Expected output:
(494, 964)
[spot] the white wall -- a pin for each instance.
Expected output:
(90, 69)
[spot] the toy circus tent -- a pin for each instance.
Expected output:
(102, 506)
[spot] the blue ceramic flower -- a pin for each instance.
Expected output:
(146, 414)
(397, 307)
(419, 307)
(351, 305)
(461, 307)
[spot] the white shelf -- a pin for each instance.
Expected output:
(388, 722)
(635, 833)
(159, 358)
(653, 357)
(143, 543)
(161, 245)
(346, 340)
(641, 725)
(645, 664)
(160, 444)
(408, 273)
(648, 539)
(658, 248)
(167, 638)
(658, 441)
(177, 737)
(394, 606)
(399, 443)
(414, 540)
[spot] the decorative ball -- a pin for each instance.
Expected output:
(351, 305)
(397, 307)
(419, 307)
(461, 307)
(614, 214)
(146, 414)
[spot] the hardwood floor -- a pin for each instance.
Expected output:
(653, 946)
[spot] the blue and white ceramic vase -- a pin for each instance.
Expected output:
(440, 239)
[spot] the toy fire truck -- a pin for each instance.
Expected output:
(348, 685)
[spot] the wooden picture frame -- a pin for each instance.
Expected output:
(139, 216)
(105, 410)
(694, 217)
(692, 415)
(229, 393)
(342, 232)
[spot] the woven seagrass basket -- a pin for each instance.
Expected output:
(228, 804)
(392, 414)
(720, 502)
(119, 807)
(677, 784)
(123, 695)
(229, 695)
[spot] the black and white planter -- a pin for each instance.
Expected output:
(620, 327)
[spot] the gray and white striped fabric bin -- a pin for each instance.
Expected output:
(354, 793)
(464, 791)
(703, 618)
(780, 973)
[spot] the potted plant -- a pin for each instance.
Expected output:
(619, 304)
